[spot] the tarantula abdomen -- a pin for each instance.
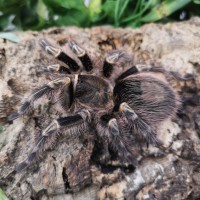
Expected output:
(150, 97)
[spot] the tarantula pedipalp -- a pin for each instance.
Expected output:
(135, 105)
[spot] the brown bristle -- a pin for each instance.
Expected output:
(17, 86)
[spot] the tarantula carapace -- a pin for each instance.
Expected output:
(134, 103)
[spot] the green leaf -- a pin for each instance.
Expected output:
(4, 21)
(11, 4)
(164, 9)
(41, 9)
(73, 17)
(108, 8)
(94, 8)
(120, 7)
(10, 36)
(196, 1)
(38, 14)
(123, 8)
(42, 12)
(2, 195)
(67, 4)
(143, 6)
(117, 7)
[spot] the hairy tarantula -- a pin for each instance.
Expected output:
(135, 103)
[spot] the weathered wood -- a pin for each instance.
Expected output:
(171, 172)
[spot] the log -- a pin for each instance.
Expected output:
(70, 171)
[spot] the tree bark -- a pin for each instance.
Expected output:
(171, 172)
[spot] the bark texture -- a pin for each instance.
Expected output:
(172, 172)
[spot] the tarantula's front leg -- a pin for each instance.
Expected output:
(59, 54)
(82, 55)
(71, 125)
(38, 93)
(148, 68)
(55, 68)
(113, 58)
(138, 125)
(170, 73)
(132, 70)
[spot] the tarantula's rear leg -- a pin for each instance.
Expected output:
(38, 93)
(59, 54)
(109, 128)
(75, 124)
(138, 125)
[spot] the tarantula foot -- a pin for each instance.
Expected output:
(119, 143)
(26, 163)
(24, 108)
(59, 54)
(55, 68)
(139, 126)
(20, 167)
(128, 111)
(13, 116)
(187, 77)
(49, 48)
(59, 81)
(82, 55)
(113, 127)
(115, 58)
(80, 52)
(52, 127)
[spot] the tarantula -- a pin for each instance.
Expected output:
(134, 103)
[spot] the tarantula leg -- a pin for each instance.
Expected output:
(51, 130)
(178, 76)
(69, 125)
(82, 55)
(107, 69)
(172, 74)
(138, 125)
(59, 54)
(112, 132)
(38, 93)
(56, 68)
(130, 71)
(114, 58)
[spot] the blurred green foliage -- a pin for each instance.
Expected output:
(39, 14)
(2, 195)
